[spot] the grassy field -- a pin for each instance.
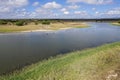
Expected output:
(32, 27)
(101, 63)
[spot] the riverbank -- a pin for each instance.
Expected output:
(40, 27)
(100, 63)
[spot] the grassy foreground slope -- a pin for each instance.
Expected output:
(101, 63)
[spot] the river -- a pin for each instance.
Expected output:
(19, 49)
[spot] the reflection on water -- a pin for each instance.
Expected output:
(18, 49)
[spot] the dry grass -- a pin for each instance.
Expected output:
(32, 27)
(116, 23)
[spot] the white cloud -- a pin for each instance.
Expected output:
(18, 13)
(52, 5)
(77, 12)
(114, 11)
(35, 4)
(43, 12)
(73, 7)
(91, 1)
(80, 12)
(9, 5)
(21, 13)
(4, 9)
(13, 3)
(32, 15)
(96, 12)
(66, 12)
(93, 9)
(63, 9)
(16, 9)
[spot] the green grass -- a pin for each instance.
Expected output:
(89, 64)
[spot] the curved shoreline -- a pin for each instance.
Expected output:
(45, 30)
(38, 30)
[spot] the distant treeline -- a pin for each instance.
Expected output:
(21, 22)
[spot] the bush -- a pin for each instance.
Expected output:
(36, 23)
(2, 22)
(19, 23)
(46, 22)
(119, 22)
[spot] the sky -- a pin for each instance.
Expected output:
(59, 9)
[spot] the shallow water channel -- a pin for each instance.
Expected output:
(19, 49)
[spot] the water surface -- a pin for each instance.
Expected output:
(18, 49)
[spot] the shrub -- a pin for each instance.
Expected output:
(119, 22)
(36, 23)
(19, 23)
(2, 22)
(46, 22)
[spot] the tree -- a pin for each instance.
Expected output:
(45, 22)
(3, 22)
(19, 23)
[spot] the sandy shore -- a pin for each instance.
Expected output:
(36, 30)
(45, 30)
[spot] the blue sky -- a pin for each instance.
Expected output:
(59, 9)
